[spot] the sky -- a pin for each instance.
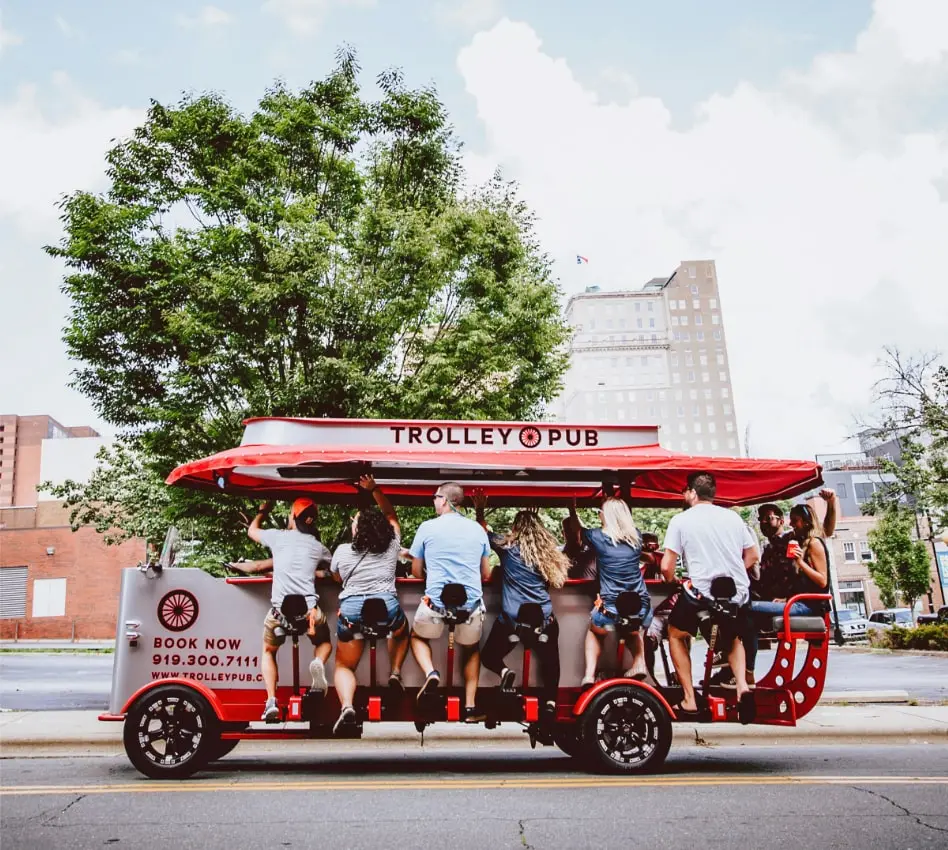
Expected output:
(803, 146)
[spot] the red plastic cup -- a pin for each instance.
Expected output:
(793, 549)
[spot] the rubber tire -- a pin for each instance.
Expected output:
(648, 707)
(566, 737)
(223, 748)
(210, 735)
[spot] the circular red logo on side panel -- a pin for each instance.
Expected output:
(178, 610)
(530, 437)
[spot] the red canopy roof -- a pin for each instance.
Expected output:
(511, 475)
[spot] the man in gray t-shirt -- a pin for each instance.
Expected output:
(297, 555)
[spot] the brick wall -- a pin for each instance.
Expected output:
(92, 571)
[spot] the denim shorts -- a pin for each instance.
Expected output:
(602, 621)
(351, 609)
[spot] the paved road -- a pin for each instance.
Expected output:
(845, 797)
(48, 681)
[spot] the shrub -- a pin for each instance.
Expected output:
(921, 637)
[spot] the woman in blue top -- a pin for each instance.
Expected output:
(530, 564)
(618, 548)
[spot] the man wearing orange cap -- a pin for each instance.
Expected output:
(297, 555)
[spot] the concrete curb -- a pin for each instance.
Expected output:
(878, 650)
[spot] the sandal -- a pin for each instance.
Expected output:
(686, 714)
(395, 682)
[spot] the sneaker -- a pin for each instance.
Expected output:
(507, 677)
(430, 685)
(719, 660)
(395, 682)
(347, 717)
(317, 670)
(724, 678)
(473, 715)
(587, 682)
(271, 711)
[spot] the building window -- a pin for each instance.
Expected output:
(725, 392)
(674, 360)
(672, 304)
(714, 444)
(662, 395)
(729, 426)
(682, 428)
(698, 319)
(697, 427)
(693, 395)
(49, 597)
(684, 445)
(711, 428)
(849, 552)
(699, 446)
(638, 306)
(638, 323)
(699, 335)
(703, 359)
(715, 318)
(680, 410)
(691, 377)
(679, 395)
(592, 324)
(841, 489)
(692, 273)
(683, 321)
(713, 303)
(676, 378)
(654, 337)
(694, 289)
(731, 443)
(652, 414)
(685, 337)
(620, 414)
(863, 491)
(727, 408)
(708, 271)
(651, 306)
(696, 303)
(722, 377)
(651, 323)
(865, 553)
(717, 335)
(689, 359)
(720, 359)
(708, 395)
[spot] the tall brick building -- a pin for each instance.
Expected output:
(54, 583)
(655, 356)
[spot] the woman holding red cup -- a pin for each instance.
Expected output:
(807, 551)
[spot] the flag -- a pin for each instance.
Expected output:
(580, 260)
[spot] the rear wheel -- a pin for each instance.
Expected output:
(566, 737)
(171, 732)
(625, 729)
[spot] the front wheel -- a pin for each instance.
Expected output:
(625, 729)
(171, 732)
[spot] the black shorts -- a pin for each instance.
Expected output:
(684, 616)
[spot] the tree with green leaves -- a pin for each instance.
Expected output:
(317, 257)
(913, 403)
(901, 569)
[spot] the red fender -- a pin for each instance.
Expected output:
(203, 690)
(599, 687)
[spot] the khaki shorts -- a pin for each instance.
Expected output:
(317, 633)
(429, 625)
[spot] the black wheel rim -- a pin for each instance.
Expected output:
(627, 730)
(170, 731)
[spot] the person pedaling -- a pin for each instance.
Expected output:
(531, 563)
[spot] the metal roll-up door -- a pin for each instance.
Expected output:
(12, 592)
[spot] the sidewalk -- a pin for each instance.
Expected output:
(56, 645)
(28, 734)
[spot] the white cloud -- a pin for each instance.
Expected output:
(8, 38)
(207, 18)
(469, 14)
(819, 199)
(67, 29)
(127, 56)
(41, 159)
(304, 17)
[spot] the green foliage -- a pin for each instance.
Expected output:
(317, 257)
(901, 568)
(932, 637)
(913, 398)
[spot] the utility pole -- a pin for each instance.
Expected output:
(747, 440)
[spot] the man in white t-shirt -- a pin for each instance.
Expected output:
(712, 542)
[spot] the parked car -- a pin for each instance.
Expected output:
(853, 625)
(889, 617)
(931, 619)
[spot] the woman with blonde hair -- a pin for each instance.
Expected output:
(530, 564)
(618, 547)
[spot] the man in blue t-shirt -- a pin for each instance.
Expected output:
(450, 549)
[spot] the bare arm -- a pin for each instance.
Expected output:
(251, 567)
(669, 562)
(254, 529)
(367, 482)
(832, 502)
(485, 568)
(816, 570)
(751, 557)
(417, 567)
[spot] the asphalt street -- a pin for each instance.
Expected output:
(844, 797)
(33, 681)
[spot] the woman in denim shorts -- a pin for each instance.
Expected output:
(618, 547)
(366, 569)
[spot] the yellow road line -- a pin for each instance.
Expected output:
(192, 786)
